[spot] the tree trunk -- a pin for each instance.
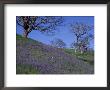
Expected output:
(75, 50)
(25, 34)
(81, 51)
(77, 40)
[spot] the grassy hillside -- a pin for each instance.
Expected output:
(33, 57)
(87, 57)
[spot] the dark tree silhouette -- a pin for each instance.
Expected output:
(41, 23)
(83, 37)
(58, 43)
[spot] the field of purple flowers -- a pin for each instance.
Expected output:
(33, 57)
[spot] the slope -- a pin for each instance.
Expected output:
(33, 57)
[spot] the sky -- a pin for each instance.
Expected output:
(62, 32)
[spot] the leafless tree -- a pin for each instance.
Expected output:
(40, 23)
(82, 35)
(58, 43)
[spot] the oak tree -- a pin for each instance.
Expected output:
(41, 23)
(82, 35)
(58, 43)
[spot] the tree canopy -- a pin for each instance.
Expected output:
(82, 34)
(41, 23)
(58, 43)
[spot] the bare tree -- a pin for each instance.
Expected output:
(75, 46)
(84, 42)
(58, 43)
(83, 37)
(41, 23)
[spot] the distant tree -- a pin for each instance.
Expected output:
(84, 42)
(41, 23)
(74, 45)
(58, 43)
(83, 37)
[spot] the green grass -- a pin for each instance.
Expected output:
(41, 53)
(25, 69)
(19, 37)
(87, 57)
